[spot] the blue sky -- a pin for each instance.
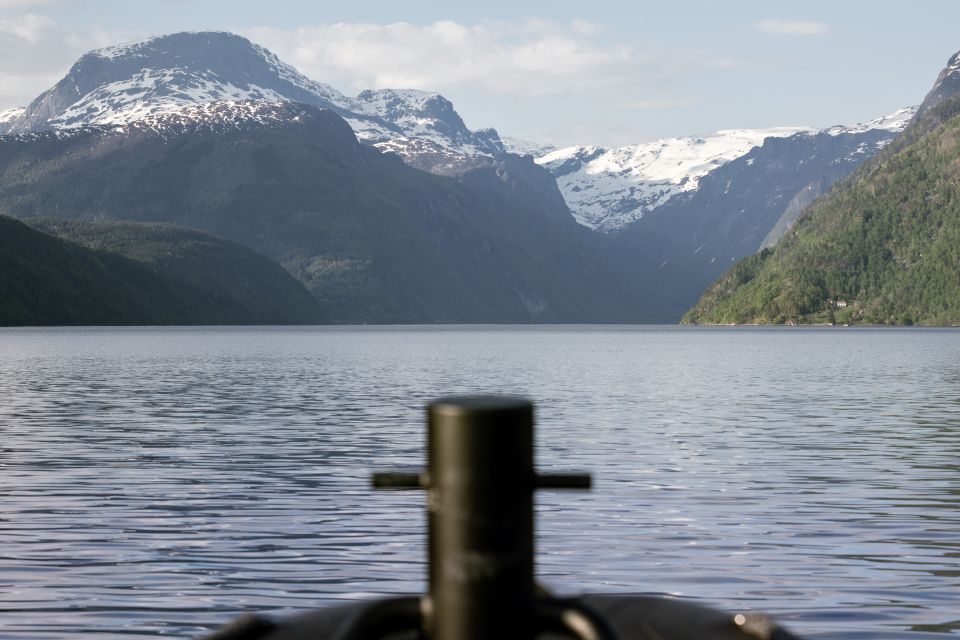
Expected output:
(608, 73)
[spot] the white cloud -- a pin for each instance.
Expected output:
(533, 76)
(793, 27)
(35, 52)
(531, 57)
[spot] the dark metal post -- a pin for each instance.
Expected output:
(481, 480)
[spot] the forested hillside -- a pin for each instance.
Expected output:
(166, 276)
(883, 247)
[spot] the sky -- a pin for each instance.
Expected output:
(561, 73)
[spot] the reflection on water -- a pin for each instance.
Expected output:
(158, 482)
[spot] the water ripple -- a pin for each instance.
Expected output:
(159, 482)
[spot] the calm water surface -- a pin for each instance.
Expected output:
(161, 481)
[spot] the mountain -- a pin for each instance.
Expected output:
(881, 247)
(433, 136)
(174, 277)
(608, 189)
(163, 75)
(523, 147)
(690, 241)
(374, 239)
(946, 86)
(7, 117)
(199, 128)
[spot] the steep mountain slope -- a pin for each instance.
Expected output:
(50, 281)
(946, 86)
(884, 248)
(374, 239)
(689, 242)
(163, 75)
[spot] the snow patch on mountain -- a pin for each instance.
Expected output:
(152, 92)
(218, 116)
(206, 117)
(408, 106)
(8, 117)
(371, 131)
(895, 122)
(606, 189)
(426, 120)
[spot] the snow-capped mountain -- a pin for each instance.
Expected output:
(373, 239)
(167, 74)
(208, 117)
(7, 116)
(120, 84)
(607, 189)
(434, 136)
(894, 123)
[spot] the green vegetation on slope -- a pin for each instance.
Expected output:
(882, 248)
(250, 287)
(51, 281)
(374, 240)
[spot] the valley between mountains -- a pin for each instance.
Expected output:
(177, 175)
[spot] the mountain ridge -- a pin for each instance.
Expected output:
(166, 74)
(879, 248)
(883, 250)
(610, 188)
(375, 240)
(605, 189)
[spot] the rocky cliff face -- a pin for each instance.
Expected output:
(945, 87)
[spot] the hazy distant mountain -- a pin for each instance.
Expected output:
(523, 147)
(163, 75)
(372, 238)
(7, 117)
(608, 189)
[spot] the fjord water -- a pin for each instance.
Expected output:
(162, 481)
